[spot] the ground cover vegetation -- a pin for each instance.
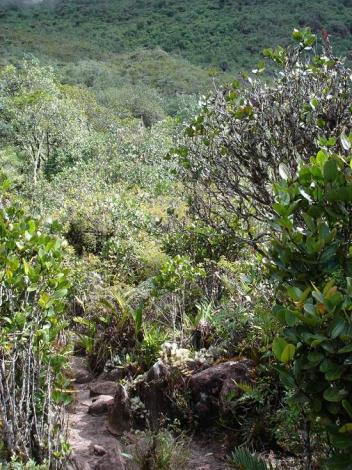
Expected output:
(169, 238)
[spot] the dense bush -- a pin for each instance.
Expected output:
(311, 253)
(247, 163)
(140, 102)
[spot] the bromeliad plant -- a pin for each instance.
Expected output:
(33, 287)
(311, 256)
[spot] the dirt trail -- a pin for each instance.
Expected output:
(88, 434)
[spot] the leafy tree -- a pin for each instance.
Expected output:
(256, 136)
(232, 151)
(43, 123)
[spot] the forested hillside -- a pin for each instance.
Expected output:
(223, 33)
(175, 235)
(159, 50)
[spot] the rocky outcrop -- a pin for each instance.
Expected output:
(148, 400)
(153, 391)
(211, 387)
(119, 412)
(152, 397)
(99, 450)
(79, 369)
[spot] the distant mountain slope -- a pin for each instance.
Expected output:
(223, 33)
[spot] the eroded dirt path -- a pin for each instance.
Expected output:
(205, 457)
(94, 448)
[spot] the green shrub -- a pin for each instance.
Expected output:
(177, 273)
(153, 338)
(140, 102)
(46, 127)
(311, 257)
(33, 287)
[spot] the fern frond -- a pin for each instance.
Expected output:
(243, 459)
(245, 386)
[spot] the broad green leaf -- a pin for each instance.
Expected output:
(295, 293)
(31, 227)
(327, 365)
(328, 286)
(310, 222)
(44, 299)
(345, 349)
(334, 394)
(290, 317)
(283, 351)
(286, 378)
(61, 293)
(297, 35)
(346, 428)
(278, 347)
(341, 441)
(315, 356)
(322, 157)
(318, 296)
(309, 307)
(288, 353)
(26, 267)
(328, 347)
(330, 171)
(347, 406)
(334, 374)
(338, 328)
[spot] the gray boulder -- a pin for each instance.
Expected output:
(100, 405)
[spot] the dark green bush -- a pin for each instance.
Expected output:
(87, 234)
